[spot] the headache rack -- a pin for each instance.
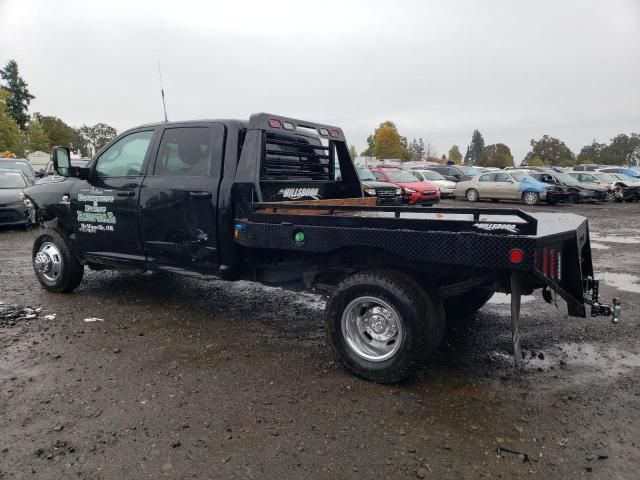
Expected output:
(489, 220)
(288, 156)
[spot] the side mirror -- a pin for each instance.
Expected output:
(61, 161)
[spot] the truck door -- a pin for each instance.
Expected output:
(105, 207)
(178, 202)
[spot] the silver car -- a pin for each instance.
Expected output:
(507, 185)
(446, 186)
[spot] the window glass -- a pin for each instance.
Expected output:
(503, 177)
(366, 174)
(401, 176)
(184, 151)
(587, 178)
(431, 175)
(380, 176)
(486, 178)
(12, 180)
(125, 157)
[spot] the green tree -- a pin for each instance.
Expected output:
(475, 148)
(551, 151)
(11, 137)
(59, 133)
(353, 152)
(536, 161)
(591, 153)
(416, 150)
(388, 143)
(498, 155)
(623, 150)
(96, 137)
(17, 104)
(454, 154)
(37, 138)
(370, 146)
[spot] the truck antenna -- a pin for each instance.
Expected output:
(164, 106)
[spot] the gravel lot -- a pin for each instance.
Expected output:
(192, 379)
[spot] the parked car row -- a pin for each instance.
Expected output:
(427, 184)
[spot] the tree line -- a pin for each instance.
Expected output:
(22, 133)
(387, 143)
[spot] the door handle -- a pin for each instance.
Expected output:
(204, 195)
(125, 193)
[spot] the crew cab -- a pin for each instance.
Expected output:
(260, 200)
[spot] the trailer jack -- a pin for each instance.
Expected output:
(598, 309)
(516, 294)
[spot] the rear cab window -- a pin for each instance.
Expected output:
(184, 151)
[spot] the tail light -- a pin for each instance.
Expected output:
(551, 264)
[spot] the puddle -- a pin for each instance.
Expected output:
(599, 246)
(583, 361)
(622, 281)
(614, 238)
(505, 299)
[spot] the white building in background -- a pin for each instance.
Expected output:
(39, 160)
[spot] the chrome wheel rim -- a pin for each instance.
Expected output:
(472, 195)
(48, 262)
(530, 198)
(372, 328)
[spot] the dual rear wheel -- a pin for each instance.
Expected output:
(384, 325)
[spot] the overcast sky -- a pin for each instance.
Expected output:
(438, 69)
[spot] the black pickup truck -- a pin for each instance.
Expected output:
(260, 200)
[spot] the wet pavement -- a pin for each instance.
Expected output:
(182, 378)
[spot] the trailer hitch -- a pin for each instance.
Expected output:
(598, 309)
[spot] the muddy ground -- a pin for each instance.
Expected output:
(189, 379)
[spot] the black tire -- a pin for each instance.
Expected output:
(574, 198)
(420, 313)
(530, 198)
(472, 195)
(71, 270)
(462, 308)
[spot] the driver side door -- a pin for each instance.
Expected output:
(105, 207)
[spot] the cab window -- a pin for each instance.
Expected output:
(184, 151)
(125, 157)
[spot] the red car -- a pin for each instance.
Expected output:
(414, 191)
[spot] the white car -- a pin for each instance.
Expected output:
(446, 186)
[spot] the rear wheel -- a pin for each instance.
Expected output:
(55, 264)
(574, 198)
(462, 308)
(530, 198)
(382, 325)
(472, 195)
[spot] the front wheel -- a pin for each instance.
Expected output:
(472, 195)
(530, 198)
(382, 325)
(55, 264)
